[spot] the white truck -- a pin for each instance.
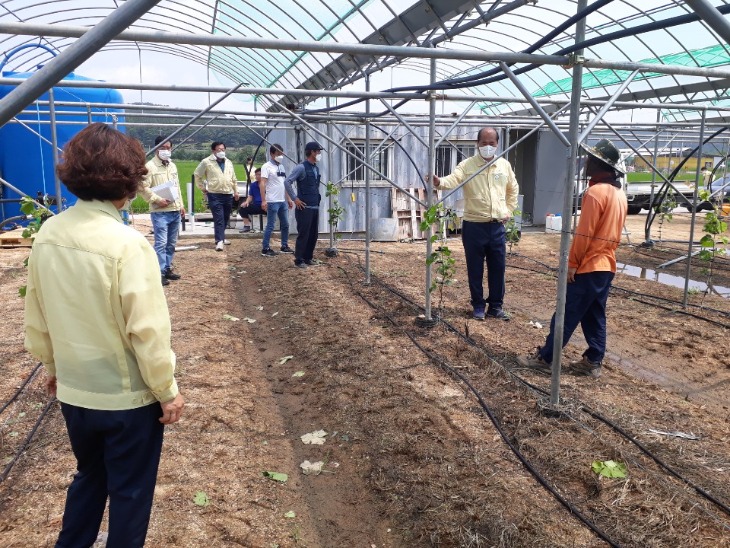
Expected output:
(640, 195)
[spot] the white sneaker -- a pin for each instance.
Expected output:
(219, 246)
(227, 242)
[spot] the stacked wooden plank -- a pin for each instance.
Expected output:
(14, 238)
(410, 213)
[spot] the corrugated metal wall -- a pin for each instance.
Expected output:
(408, 157)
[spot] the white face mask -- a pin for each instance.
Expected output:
(220, 155)
(318, 157)
(279, 158)
(487, 151)
(164, 154)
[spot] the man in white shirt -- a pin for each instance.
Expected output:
(274, 201)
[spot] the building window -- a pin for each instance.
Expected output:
(449, 155)
(380, 161)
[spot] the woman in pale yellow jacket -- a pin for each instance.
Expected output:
(96, 316)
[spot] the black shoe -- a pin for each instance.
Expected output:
(165, 281)
(313, 262)
(497, 313)
(170, 275)
(268, 252)
(286, 249)
(300, 264)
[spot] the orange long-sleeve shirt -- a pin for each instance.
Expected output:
(598, 234)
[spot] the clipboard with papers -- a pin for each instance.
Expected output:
(167, 191)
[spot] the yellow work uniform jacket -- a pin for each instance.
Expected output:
(95, 312)
(491, 195)
(160, 174)
(209, 176)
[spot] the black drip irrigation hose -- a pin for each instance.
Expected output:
(618, 429)
(27, 441)
(487, 411)
(20, 388)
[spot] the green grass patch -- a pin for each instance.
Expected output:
(185, 169)
(645, 177)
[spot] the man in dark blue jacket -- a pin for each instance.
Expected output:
(306, 200)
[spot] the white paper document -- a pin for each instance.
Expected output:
(167, 191)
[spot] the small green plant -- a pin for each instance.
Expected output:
(714, 242)
(513, 232)
(441, 218)
(336, 212)
(665, 209)
(38, 214)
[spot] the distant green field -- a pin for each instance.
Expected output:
(639, 177)
(185, 170)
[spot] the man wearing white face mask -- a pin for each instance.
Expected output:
(307, 199)
(161, 188)
(490, 198)
(216, 178)
(274, 201)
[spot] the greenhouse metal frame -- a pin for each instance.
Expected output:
(314, 64)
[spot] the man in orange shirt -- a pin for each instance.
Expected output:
(592, 262)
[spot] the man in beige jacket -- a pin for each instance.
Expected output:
(161, 189)
(216, 178)
(490, 199)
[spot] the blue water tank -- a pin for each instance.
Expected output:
(26, 161)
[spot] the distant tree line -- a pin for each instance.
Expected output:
(240, 141)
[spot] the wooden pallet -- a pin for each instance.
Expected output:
(410, 213)
(14, 238)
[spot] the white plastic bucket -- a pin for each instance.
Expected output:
(553, 224)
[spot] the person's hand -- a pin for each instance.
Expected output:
(505, 219)
(299, 204)
(163, 203)
(171, 410)
(51, 386)
(235, 195)
(182, 211)
(571, 274)
(434, 179)
(290, 204)
(264, 205)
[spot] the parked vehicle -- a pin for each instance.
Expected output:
(639, 195)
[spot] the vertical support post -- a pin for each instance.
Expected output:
(330, 199)
(191, 202)
(694, 211)
(54, 147)
(89, 119)
(367, 182)
(580, 30)
(429, 184)
(647, 226)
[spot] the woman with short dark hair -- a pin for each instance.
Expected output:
(96, 316)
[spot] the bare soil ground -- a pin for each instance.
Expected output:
(410, 457)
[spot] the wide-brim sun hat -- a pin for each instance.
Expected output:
(607, 152)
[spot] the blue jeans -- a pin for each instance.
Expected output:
(273, 210)
(220, 206)
(166, 225)
(485, 242)
(585, 304)
(117, 455)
